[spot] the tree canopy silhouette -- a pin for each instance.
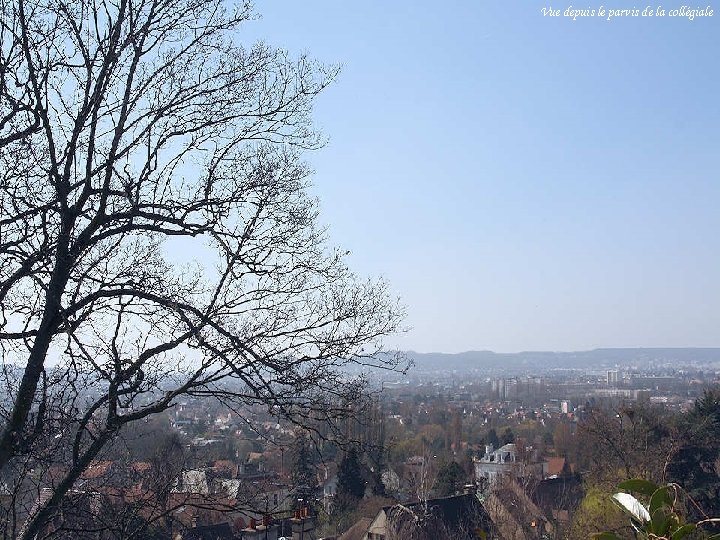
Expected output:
(156, 235)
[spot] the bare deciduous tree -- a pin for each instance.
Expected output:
(454, 518)
(134, 133)
(628, 442)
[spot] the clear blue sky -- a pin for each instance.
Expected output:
(522, 182)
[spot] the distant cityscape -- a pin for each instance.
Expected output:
(446, 430)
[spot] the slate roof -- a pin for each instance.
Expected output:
(357, 531)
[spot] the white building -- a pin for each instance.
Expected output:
(504, 462)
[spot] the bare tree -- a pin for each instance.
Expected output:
(454, 518)
(133, 133)
(627, 442)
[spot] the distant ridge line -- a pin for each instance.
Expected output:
(595, 358)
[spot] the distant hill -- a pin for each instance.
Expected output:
(539, 360)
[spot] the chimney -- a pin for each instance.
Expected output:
(303, 528)
(266, 531)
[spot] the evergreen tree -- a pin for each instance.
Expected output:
(351, 481)
(450, 479)
(508, 436)
(696, 466)
(492, 438)
(301, 472)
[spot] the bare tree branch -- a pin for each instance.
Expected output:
(133, 135)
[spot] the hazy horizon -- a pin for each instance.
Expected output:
(690, 347)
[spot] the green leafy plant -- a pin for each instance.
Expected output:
(661, 518)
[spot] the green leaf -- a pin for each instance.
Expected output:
(683, 531)
(638, 485)
(660, 498)
(660, 522)
(606, 536)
